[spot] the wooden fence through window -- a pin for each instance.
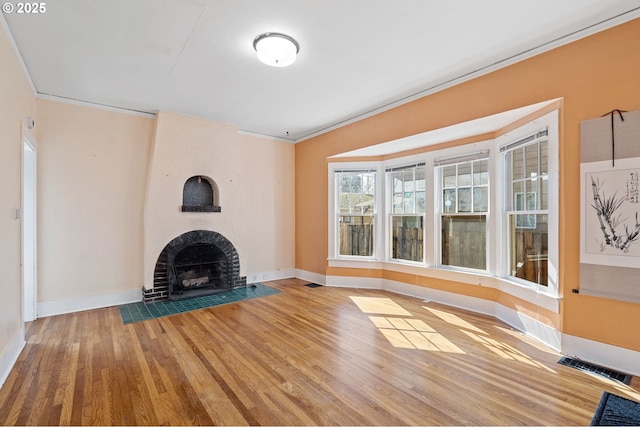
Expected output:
(407, 243)
(356, 239)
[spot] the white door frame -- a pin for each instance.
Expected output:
(28, 210)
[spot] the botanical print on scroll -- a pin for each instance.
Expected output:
(612, 212)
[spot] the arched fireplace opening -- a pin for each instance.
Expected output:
(198, 263)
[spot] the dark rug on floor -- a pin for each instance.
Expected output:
(312, 285)
(138, 311)
(614, 410)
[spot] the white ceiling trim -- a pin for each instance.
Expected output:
(94, 105)
(17, 53)
(458, 131)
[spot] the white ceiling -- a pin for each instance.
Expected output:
(357, 57)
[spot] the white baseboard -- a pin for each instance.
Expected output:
(609, 356)
(477, 305)
(72, 305)
(309, 276)
(532, 327)
(271, 275)
(10, 356)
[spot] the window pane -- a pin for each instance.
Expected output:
(480, 199)
(464, 199)
(397, 182)
(449, 201)
(517, 165)
(531, 152)
(420, 202)
(464, 241)
(356, 235)
(356, 193)
(481, 172)
(408, 202)
(350, 203)
(406, 183)
(420, 179)
(529, 247)
(350, 183)
(407, 238)
(471, 183)
(518, 196)
(464, 174)
(368, 183)
(532, 194)
(449, 176)
(544, 158)
(408, 180)
(397, 203)
(544, 192)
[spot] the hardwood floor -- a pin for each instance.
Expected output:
(306, 356)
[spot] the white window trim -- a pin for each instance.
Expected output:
(550, 121)
(334, 253)
(388, 208)
(464, 151)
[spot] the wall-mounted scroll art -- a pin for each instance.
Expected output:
(610, 206)
(611, 213)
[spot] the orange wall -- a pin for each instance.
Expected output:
(594, 76)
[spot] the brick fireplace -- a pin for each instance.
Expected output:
(196, 263)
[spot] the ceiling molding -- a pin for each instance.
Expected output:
(95, 105)
(18, 54)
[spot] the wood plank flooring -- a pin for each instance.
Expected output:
(306, 356)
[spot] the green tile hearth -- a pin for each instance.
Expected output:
(139, 311)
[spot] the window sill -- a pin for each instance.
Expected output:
(366, 263)
(530, 293)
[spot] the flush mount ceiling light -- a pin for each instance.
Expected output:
(276, 49)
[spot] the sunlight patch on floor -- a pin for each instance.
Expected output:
(524, 338)
(454, 320)
(413, 334)
(505, 351)
(375, 305)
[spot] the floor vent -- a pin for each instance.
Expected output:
(312, 285)
(595, 369)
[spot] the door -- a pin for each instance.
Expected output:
(29, 247)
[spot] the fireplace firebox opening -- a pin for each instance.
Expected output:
(196, 263)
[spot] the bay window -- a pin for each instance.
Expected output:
(488, 209)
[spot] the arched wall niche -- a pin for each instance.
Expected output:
(200, 194)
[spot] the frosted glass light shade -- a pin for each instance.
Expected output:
(275, 49)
